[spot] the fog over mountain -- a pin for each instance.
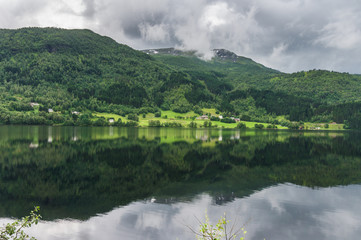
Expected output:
(288, 35)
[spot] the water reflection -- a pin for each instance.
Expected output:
(279, 212)
(50, 133)
(101, 176)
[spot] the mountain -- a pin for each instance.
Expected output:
(79, 70)
(225, 67)
(242, 73)
(256, 90)
(79, 63)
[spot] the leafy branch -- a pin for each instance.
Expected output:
(220, 231)
(15, 230)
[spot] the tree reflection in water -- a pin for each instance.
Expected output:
(80, 172)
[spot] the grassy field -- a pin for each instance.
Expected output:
(186, 118)
(182, 118)
(321, 126)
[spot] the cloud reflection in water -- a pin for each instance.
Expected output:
(284, 211)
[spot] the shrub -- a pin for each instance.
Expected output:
(131, 124)
(285, 123)
(157, 114)
(172, 124)
(346, 124)
(192, 125)
(118, 122)
(100, 122)
(214, 118)
(228, 120)
(154, 123)
(259, 126)
(241, 125)
(207, 124)
(294, 126)
(245, 117)
(133, 117)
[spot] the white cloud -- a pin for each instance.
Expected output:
(155, 33)
(215, 15)
(315, 32)
(64, 14)
(343, 32)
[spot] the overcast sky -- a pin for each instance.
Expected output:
(288, 35)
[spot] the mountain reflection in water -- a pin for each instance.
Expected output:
(144, 183)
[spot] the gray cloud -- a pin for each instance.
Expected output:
(289, 35)
(90, 8)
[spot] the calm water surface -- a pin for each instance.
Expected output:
(153, 183)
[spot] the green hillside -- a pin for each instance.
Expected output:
(243, 73)
(64, 71)
(80, 63)
(224, 72)
(68, 70)
(256, 90)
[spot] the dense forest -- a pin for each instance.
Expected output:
(65, 71)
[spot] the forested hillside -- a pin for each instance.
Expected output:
(260, 92)
(242, 73)
(64, 71)
(67, 70)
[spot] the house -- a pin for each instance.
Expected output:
(220, 117)
(75, 112)
(33, 104)
(50, 110)
(236, 119)
(34, 145)
(203, 117)
(111, 120)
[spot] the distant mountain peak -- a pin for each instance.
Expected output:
(170, 51)
(218, 53)
(225, 54)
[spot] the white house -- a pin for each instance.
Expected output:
(33, 104)
(203, 117)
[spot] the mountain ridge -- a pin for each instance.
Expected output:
(72, 70)
(218, 53)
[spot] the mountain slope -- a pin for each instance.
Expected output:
(225, 67)
(79, 70)
(80, 63)
(244, 73)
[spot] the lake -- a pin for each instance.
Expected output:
(156, 183)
